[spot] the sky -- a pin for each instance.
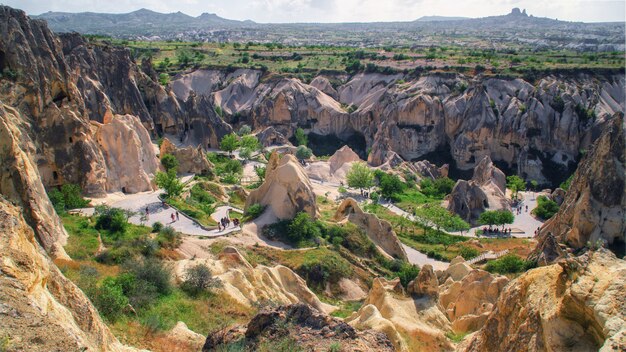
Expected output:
(282, 11)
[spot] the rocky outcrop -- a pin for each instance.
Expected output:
(485, 191)
(419, 320)
(185, 339)
(130, 158)
(286, 189)
(425, 284)
(307, 328)
(341, 157)
(254, 285)
(190, 160)
(593, 209)
(469, 301)
(40, 309)
(336, 168)
(379, 231)
(427, 169)
(269, 136)
(574, 305)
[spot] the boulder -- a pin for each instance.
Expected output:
(593, 208)
(342, 156)
(379, 231)
(457, 270)
(577, 304)
(190, 160)
(184, 338)
(558, 196)
(286, 190)
(425, 284)
(270, 136)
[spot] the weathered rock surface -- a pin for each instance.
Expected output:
(40, 309)
(469, 301)
(485, 191)
(430, 170)
(190, 160)
(286, 190)
(419, 320)
(576, 305)
(185, 339)
(336, 168)
(379, 231)
(425, 284)
(593, 209)
(252, 285)
(310, 329)
(128, 152)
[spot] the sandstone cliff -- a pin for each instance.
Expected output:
(576, 305)
(190, 160)
(593, 208)
(286, 190)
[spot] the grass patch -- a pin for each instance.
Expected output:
(346, 308)
(411, 198)
(456, 337)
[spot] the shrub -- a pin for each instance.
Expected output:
(301, 137)
(169, 182)
(546, 208)
(437, 188)
(152, 272)
(111, 219)
(508, 264)
(468, 252)
(330, 269)
(567, 183)
(244, 129)
(110, 299)
(169, 237)
(57, 200)
(198, 279)
(200, 195)
(254, 211)
(302, 227)
(157, 226)
(69, 197)
(303, 152)
(390, 185)
(405, 271)
(169, 162)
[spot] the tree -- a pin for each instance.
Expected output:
(244, 130)
(390, 185)
(546, 208)
(360, 176)
(301, 137)
(515, 184)
(229, 143)
(245, 153)
(496, 217)
(303, 227)
(169, 182)
(303, 152)
(441, 217)
(169, 162)
(260, 171)
(250, 142)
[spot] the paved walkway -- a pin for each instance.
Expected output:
(418, 258)
(138, 203)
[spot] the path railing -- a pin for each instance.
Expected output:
(487, 256)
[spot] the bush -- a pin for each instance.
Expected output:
(508, 264)
(303, 227)
(374, 197)
(198, 279)
(468, 252)
(254, 211)
(331, 269)
(111, 219)
(546, 208)
(168, 237)
(169, 182)
(437, 188)
(200, 195)
(244, 129)
(405, 271)
(69, 197)
(169, 162)
(152, 272)
(390, 185)
(110, 299)
(157, 226)
(303, 152)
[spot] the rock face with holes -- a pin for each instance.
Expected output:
(485, 191)
(286, 190)
(306, 328)
(577, 304)
(190, 160)
(593, 208)
(379, 231)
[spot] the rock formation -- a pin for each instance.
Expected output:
(190, 160)
(286, 190)
(130, 158)
(40, 309)
(309, 329)
(430, 170)
(341, 157)
(252, 285)
(574, 305)
(379, 231)
(420, 320)
(593, 209)
(336, 168)
(485, 191)
(425, 284)
(185, 339)
(469, 301)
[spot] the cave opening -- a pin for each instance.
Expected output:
(2, 60)
(124, 190)
(329, 144)
(618, 247)
(444, 156)
(55, 175)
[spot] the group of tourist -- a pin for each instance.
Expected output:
(225, 222)
(487, 231)
(519, 208)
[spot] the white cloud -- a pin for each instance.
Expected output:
(342, 10)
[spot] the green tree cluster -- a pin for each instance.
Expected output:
(496, 217)
(360, 176)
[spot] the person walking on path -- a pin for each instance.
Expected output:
(177, 216)
(147, 213)
(173, 217)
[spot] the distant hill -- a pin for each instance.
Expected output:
(439, 18)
